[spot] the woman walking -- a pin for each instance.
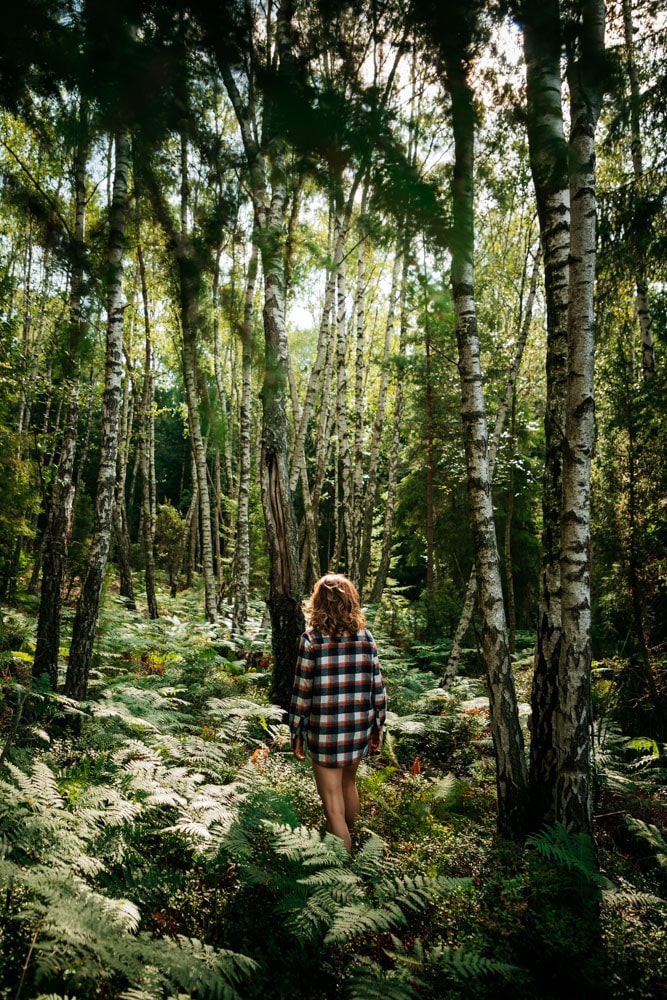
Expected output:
(339, 703)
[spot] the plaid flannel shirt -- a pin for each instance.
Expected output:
(338, 698)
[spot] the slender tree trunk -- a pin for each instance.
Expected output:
(85, 622)
(471, 589)
(430, 462)
(359, 382)
(147, 399)
(392, 472)
(62, 503)
(119, 516)
(509, 515)
(342, 433)
(378, 426)
(241, 575)
(573, 718)
(548, 159)
(284, 601)
(511, 775)
(642, 305)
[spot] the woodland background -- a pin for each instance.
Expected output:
(308, 286)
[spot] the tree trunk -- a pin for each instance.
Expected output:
(62, 503)
(284, 601)
(573, 718)
(378, 427)
(241, 575)
(346, 515)
(145, 464)
(85, 622)
(392, 472)
(642, 306)
(548, 159)
(471, 589)
(119, 516)
(511, 779)
(509, 514)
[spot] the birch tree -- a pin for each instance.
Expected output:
(266, 160)
(585, 75)
(511, 777)
(85, 622)
(62, 502)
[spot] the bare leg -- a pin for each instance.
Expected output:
(329, 781)
(351, 795)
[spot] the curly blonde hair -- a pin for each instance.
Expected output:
(334, 606)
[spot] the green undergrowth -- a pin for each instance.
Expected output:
(161, 841)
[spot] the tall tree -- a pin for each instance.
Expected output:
(266, 156)
(456, 36)
(585, 74)
(62, 502)
(85, 622)
(542, 33)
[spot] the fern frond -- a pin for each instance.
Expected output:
(369, 981)
(651, 836)
(308, 846)
(369, 861)
(463, 963)
(39, 787)
(620, 899)
(468, 964)
(359, 919)
(571, 850)
(420, 891)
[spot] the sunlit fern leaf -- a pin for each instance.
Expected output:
(624, 899)
(463, 963)
(39, 787)
(467, 964)
(650, 835)
(308, 846)
(106, 806)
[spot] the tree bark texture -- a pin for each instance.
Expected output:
(392, 472)
(241, 576)
(573, 718)
(62, 503)
(471, 589)
(85, 622)
(511, 778)
(269, 197)
(642, 305)
(548, 158)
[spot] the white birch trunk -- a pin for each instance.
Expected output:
(85, 622)
(573, 718)
(378, 427)
(392, 471)
(511, 778)
(241, 574)
(548, 158)
(642, 306)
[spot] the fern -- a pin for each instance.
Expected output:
(573, 851)
(462, 963)
(650, 835)
(367, 980)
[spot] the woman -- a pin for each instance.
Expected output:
(338, 702)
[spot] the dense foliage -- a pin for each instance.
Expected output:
(172, 846)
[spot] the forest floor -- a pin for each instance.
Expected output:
(161, 841)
